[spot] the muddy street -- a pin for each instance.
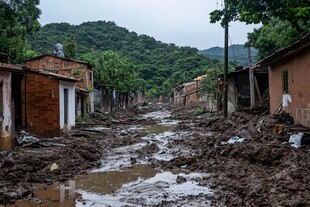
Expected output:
(125, 174)
(161, 158)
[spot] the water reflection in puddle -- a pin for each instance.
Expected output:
(140, 185)
(162, 187)
(109, 182)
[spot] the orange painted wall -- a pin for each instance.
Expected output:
(298, 67)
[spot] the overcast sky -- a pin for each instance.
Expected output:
(182, 22)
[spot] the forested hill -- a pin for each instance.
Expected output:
(236, 53)
(161, 65)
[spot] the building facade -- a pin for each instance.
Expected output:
(289, 77)
(80, 70)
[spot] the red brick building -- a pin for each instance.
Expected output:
(289, 78)
(188, 93)
(48, 102)
(80, 70)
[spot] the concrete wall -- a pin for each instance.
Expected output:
(103, 99)
(40, 104)
(71, 104)
(298, 69)
(6, 117)
(232, 97)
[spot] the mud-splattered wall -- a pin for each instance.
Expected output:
(5, 110)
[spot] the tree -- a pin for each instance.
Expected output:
(18, 18)
(296, 12)
(114, 71)
(167, 88)
(209, 84)
(30, 54)
(274, 35)
(154, 61)
(70, 48)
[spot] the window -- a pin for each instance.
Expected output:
(285, 81)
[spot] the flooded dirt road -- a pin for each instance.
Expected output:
(162, 158)
(126, 176)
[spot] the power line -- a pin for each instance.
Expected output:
(232, 47)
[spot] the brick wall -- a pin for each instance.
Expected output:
(41, 104)
(298, 69)
(63, 67)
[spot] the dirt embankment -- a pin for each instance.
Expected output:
(263, 171)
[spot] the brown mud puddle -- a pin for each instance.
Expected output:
(158, 129)
(139, 185)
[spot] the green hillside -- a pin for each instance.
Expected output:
(159, 64)
(235, 53)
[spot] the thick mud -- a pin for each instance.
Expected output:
(124, 175)
(162, 158)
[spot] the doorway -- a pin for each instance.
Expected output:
(66, 106)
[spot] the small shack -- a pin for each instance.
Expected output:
(70, 68)
(48, 102)
(239, 88)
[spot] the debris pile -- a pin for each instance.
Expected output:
(264, 171)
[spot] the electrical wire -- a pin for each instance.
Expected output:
(232, 47)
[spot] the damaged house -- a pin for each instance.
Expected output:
(70, 68)
(10, 102)
(239, 88)
(48, 102)
(187, 93)
(289, 77)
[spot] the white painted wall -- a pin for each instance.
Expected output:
(7, 113)
(71, 99)
(92, 101)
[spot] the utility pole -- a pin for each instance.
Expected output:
(226, 67)
(251, 78)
